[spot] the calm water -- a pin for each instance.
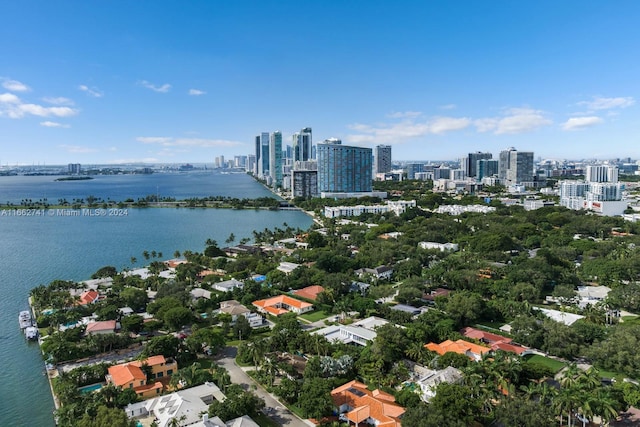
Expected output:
(37, 250)
(120, 187)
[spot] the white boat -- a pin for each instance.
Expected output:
(31, 332)
(25, 319)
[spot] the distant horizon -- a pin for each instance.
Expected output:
(166, 82)
(212, 164)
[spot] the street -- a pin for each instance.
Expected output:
(279, 413)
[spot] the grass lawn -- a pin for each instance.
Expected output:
(611, 374)
(315, 315)
(554, 365)
(491, 325)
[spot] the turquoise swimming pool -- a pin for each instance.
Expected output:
(90, 388)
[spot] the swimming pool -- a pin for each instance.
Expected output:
(90, 388)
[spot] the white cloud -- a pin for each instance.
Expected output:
(54, 125)
(92, 91)
(404, 114)
(600, 103)
(77, 148)
(154, 139)
(441, 125)
(514, 120)
(448, 107)
(9, 98)
(39, 110)
(187, 142)
(131, 160)
(11, 106)
(404, 130)
(161, 89)
(196, 92)
(60, 100)
(15, 86)
(577, 123)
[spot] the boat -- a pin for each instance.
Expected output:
(25, 319)
(31, 332)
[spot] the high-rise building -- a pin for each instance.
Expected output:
(413, 168)
(383, 158)
(343, 168)
(262, 154)
(515, 166)
(486, 167)
(275, 158)
(470, 163)
(302, 145)
(304, 183)
(74, 168)
(601, 173)
(250, 166)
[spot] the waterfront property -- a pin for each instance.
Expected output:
(134, 375)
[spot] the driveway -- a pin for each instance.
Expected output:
(278, 413)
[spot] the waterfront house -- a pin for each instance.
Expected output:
(89, 297)
(282, 304)
(133, 375)
(359, 405)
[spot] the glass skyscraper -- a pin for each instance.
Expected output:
(343, 168)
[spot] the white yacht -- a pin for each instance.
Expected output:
(31, 332)
(25, 319)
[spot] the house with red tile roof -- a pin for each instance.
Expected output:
(497, 342)
(469, 349)
(89, 297)
(310, 292)
(101, 327)
(282, 304)
(361, 406)
(132, 375)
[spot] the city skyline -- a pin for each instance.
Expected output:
(169, 82)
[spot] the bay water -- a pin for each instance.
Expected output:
(38, 249)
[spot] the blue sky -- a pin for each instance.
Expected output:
(185, 81)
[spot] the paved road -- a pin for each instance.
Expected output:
(279, 414)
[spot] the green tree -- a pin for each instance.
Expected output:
(106, 417)
(315, 398)
(133, 323)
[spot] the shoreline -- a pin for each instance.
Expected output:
(50, 373)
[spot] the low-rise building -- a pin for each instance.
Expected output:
(430, 381)
(471, 350)
(282, 304)
(131, 375)
(189, 403)
(380, 272)
(227, 285)
(359, 405)
(359, 333)
(310, 292)
(101, 327)
(439, 246)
